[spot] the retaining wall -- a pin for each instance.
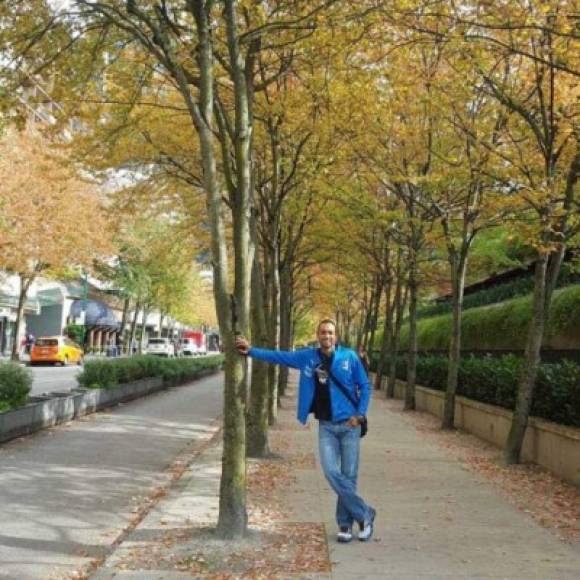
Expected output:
(553, 446)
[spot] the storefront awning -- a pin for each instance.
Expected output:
(31, 305)
(97, 314)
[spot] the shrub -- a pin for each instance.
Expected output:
(495, 381)
(75, 332)
(108, 373)
(500, 292)
(557, 394)
(15, 384)
(433, 371)
(500, 326)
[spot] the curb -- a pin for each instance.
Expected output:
(97, 569)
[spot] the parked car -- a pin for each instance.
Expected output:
(160, 347)
(57, 350)
(189, 347)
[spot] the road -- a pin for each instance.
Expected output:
(67, 493)
(54, 378)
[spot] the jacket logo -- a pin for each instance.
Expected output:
(345, 365)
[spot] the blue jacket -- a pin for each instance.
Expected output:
(346, 367)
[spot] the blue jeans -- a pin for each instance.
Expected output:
(339, 455)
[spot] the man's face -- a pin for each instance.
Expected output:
(326, 335)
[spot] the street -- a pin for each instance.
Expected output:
(53, 378)
(66, 493)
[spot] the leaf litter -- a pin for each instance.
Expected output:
(274, 546)
(551, 502)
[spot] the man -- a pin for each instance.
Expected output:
(338, 416)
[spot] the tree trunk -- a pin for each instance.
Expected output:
(143, 334)
(122, 333)
(400, 305)
(527, 381)
(273, 336)
(257, 416)
(161, 320)
(458, 263)
(285, 325)
(132, 335)
(25, 282)
(365, 315)
(233, 517)
(387, 332)
(412, 352)
(375, 314)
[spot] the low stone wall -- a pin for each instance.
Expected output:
(553, 446)
(58, 407)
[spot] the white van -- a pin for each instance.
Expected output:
(188, 347)
(160, 347)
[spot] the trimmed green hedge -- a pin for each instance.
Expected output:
(108, 373)
(499, 326)
(499, 293)
(494, 381)
(15, 384)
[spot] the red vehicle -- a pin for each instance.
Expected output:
(193, 343)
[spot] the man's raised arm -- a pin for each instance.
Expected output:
(279, 357)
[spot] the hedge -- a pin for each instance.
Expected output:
(15, 384)
(494, 380)
(108, 373)
(500, 326)
(498, 293)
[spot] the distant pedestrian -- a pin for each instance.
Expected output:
(28, 343)
(335, 388)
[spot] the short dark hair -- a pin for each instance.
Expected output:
(326, 321)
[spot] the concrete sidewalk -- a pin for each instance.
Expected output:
(435, 519)
(68, 493)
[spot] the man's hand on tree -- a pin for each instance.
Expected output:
(242, 345)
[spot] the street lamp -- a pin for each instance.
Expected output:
(84, 309)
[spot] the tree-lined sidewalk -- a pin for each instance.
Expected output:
(424, 130)
(437, 517)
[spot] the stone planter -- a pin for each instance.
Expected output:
(105, 398)
(46, 411)
(17, 422)
(127, 391)
(88, 402)
(64, 407)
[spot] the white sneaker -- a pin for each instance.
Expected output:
(367, 527)
(344, 535)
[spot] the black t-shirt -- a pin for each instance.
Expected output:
(321, 403)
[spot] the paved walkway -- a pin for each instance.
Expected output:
(438, 521)
(67, 493)
(435, 519)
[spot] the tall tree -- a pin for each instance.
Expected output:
(52, 221)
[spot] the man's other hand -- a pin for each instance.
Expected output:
(353, 421)
(242, 345)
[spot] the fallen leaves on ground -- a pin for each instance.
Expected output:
(553, 503)
(273, 548)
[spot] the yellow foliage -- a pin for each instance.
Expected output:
(50, 218)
